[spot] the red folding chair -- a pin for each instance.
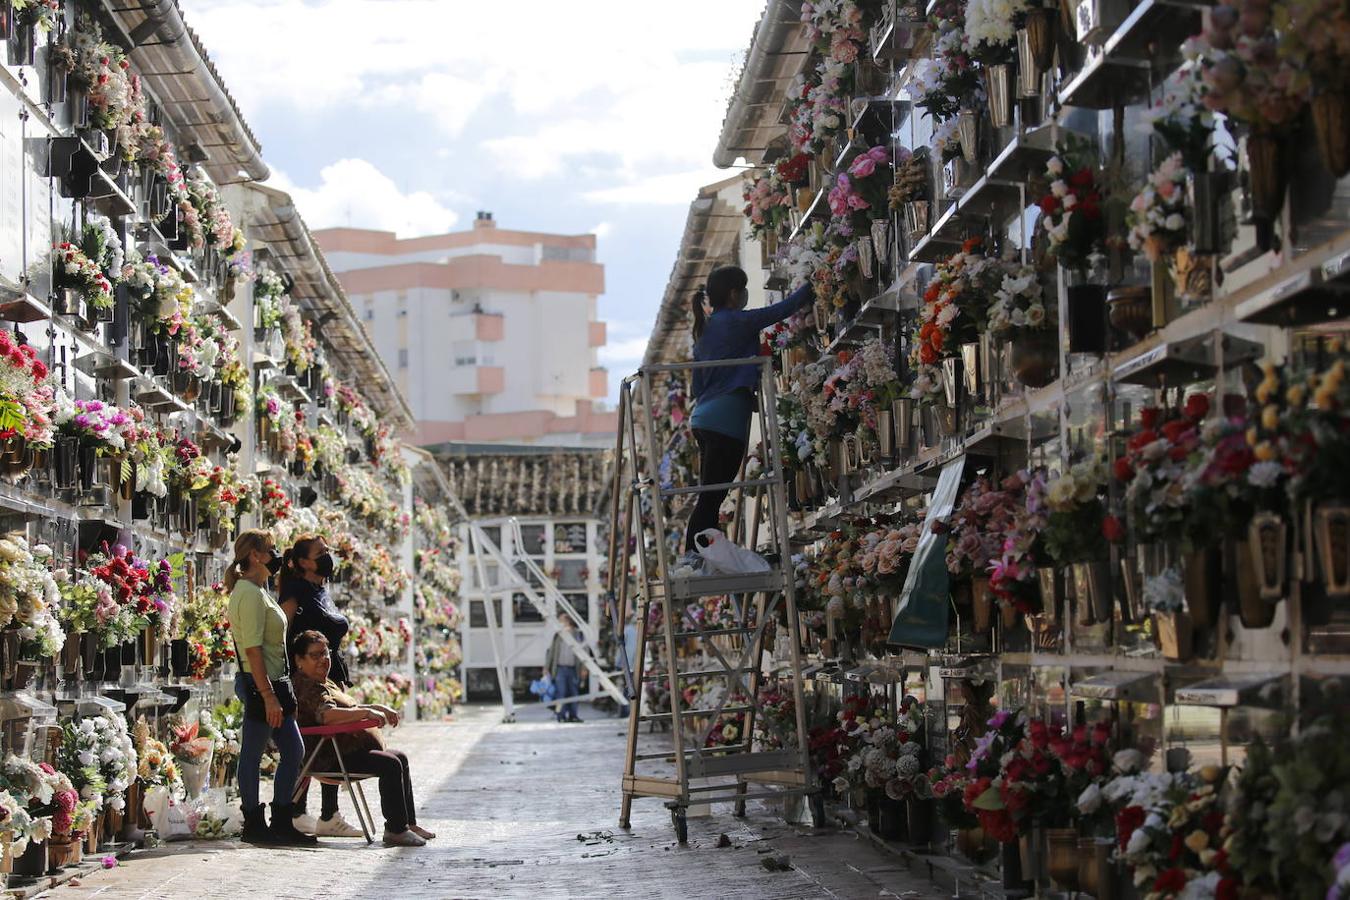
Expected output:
(351, 781)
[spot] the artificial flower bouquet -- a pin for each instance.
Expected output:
(73, 270)
(1076, 524)
(1071, 212)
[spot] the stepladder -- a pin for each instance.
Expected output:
(719, 655)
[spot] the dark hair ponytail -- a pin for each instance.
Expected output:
(700, 317)
(722, 283)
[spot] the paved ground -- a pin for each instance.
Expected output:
(509, 802)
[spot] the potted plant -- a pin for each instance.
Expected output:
(1075, 534)
(1019, 314)
(78, 282)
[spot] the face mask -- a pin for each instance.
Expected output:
(274, 564)
(324, 565)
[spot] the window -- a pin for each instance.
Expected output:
(522, 610)
(403, 357)
(478, 614)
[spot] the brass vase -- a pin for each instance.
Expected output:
(1035, 357)
(1331, 534)
(1331, 122)
(1201, 575)
(1265, 160)
(982, 603)
(968, 134)
(1176, 634)
(1130, 310)
(1040, 28)
(1092, 591)
(1062, 857)
(1095, 875)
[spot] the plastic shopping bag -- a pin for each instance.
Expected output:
(722, 557)
(544, 688)
(168, 816)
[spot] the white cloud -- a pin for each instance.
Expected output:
(353, 192)
(623, 355)
(677, 189)
(602, 231)
(627, 82)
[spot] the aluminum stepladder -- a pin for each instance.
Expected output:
(704, 774)
(550, 604)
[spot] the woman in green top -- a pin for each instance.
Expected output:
(263, 685)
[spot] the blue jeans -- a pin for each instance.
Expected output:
(568, 686)
(252, 743)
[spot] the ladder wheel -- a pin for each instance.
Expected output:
(681, 823)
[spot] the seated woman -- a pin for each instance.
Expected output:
(321, 702)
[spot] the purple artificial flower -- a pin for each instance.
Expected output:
(999, 719)
(81, 421)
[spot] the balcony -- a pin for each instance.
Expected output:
(598, 333)
(599, 382)
(487, 327)
(477, 380)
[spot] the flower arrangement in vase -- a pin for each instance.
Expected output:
(1159, 216)
(767, 201)
(74, 271)
(1071, 213)
(950, 80)
(27, 395)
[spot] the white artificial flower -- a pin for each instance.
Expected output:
(1059, 188)
(1090, 800)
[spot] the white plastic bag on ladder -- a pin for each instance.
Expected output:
(722, 557)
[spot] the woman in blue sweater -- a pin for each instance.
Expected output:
(724, 396)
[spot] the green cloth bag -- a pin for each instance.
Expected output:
(924, 617)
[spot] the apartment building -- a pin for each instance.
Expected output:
(491, 333)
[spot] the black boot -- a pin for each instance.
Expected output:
(255, 826)
(283, 830)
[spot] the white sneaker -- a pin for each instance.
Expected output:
(304, 823)
(402, 839)
(337, 827)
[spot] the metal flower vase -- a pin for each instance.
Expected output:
(902, 412)
(968, 134)
(998, 80)
(1201, 574)
(881, 240)
(1176, 634)
(1061, 845)
(1262, 562)
(866, 257)
(1331, 122)
(886, 435)
(982, 603)
(1331, 535)
(1092, 591)
(918, 214)
(1034, 357)
(1205, 192)
(1028, 72)
(1266, 177)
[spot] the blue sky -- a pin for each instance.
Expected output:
(410, 115)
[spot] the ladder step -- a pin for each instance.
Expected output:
(715, 632)
(693, 586)
(694, 713)
(725, 486)
(701, 673)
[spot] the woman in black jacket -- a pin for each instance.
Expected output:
(308, 607)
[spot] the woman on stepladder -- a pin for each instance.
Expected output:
(724, 396)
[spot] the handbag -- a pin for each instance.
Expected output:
(256, 709)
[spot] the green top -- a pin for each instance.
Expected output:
(257, 621)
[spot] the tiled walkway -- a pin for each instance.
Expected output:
(524, 810)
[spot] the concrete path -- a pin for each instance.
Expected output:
(527, 810)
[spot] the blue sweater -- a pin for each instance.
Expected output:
(734, 334)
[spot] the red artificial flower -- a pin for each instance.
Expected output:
(1082, 179)
(1128, 821)
(1142, 439)
(1175, 430)
(1123, 470)
(1049, 204)
(1148, 416)
(1197, 407)
(1227, 889)
(1113, 530)
(1171, 881)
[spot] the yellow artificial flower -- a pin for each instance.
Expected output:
(1210, 774)
(1264, 452)
(1295, 395)
(1270, 417)
(1197, 840)
(1252, 436)
(1325, 398)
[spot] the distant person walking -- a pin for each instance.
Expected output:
(561, 663)
(724, 396)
